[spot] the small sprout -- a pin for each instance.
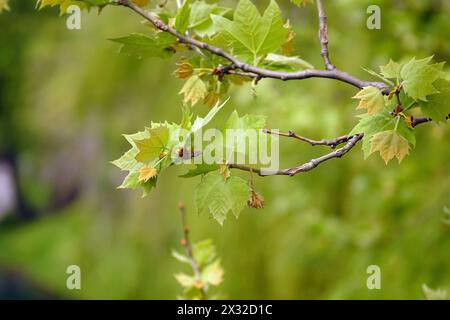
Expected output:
(184, 70)
(211, 99)
(256, 201)
(146, 173)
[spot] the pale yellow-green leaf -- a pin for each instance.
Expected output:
(371, 99)
(390, 144)
(180, 257)
(213, 273)
(224, 171)
(185, 280)
(194, 90)
(152, 147)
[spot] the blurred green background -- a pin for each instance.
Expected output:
(67, 96)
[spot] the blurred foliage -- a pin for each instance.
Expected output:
(65, 97)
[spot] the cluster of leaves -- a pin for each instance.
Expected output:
(388, 123)
(209, 273)
(163, 145)
(264, 40)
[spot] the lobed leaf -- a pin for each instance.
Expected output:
(216, 196)
(390, 144)
(251, 35)
(371, 99)
(418, 77)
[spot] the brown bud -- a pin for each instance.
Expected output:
(410, 122)
(198, 284)
(183, 242)
(211, 99)
(184, 70)
(181, 205)
(256, 201)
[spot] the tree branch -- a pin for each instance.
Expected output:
(261, 72)
(420, 120)
(308, 166)
(333, 143)
(323, 36)
(331, 72)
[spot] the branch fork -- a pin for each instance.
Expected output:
(330, 72)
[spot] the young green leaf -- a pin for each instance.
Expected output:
(143, 46)
(280, 62)
(200, 169)
(182, 17)
(438, 105)
(248, 121)
(250, 35)
(391, 70)
(201, 122)
(216, 196)
(242, 126)
(418, 77)
(200, 17)
(370, 125)
(204, 252)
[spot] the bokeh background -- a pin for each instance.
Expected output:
(67, 96)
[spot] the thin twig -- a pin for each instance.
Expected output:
(338, 153)
(308, 166)
(333, 143)
(331, 72)
(261, 72)
(420, 120)
(188, 247)
(323, 36)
